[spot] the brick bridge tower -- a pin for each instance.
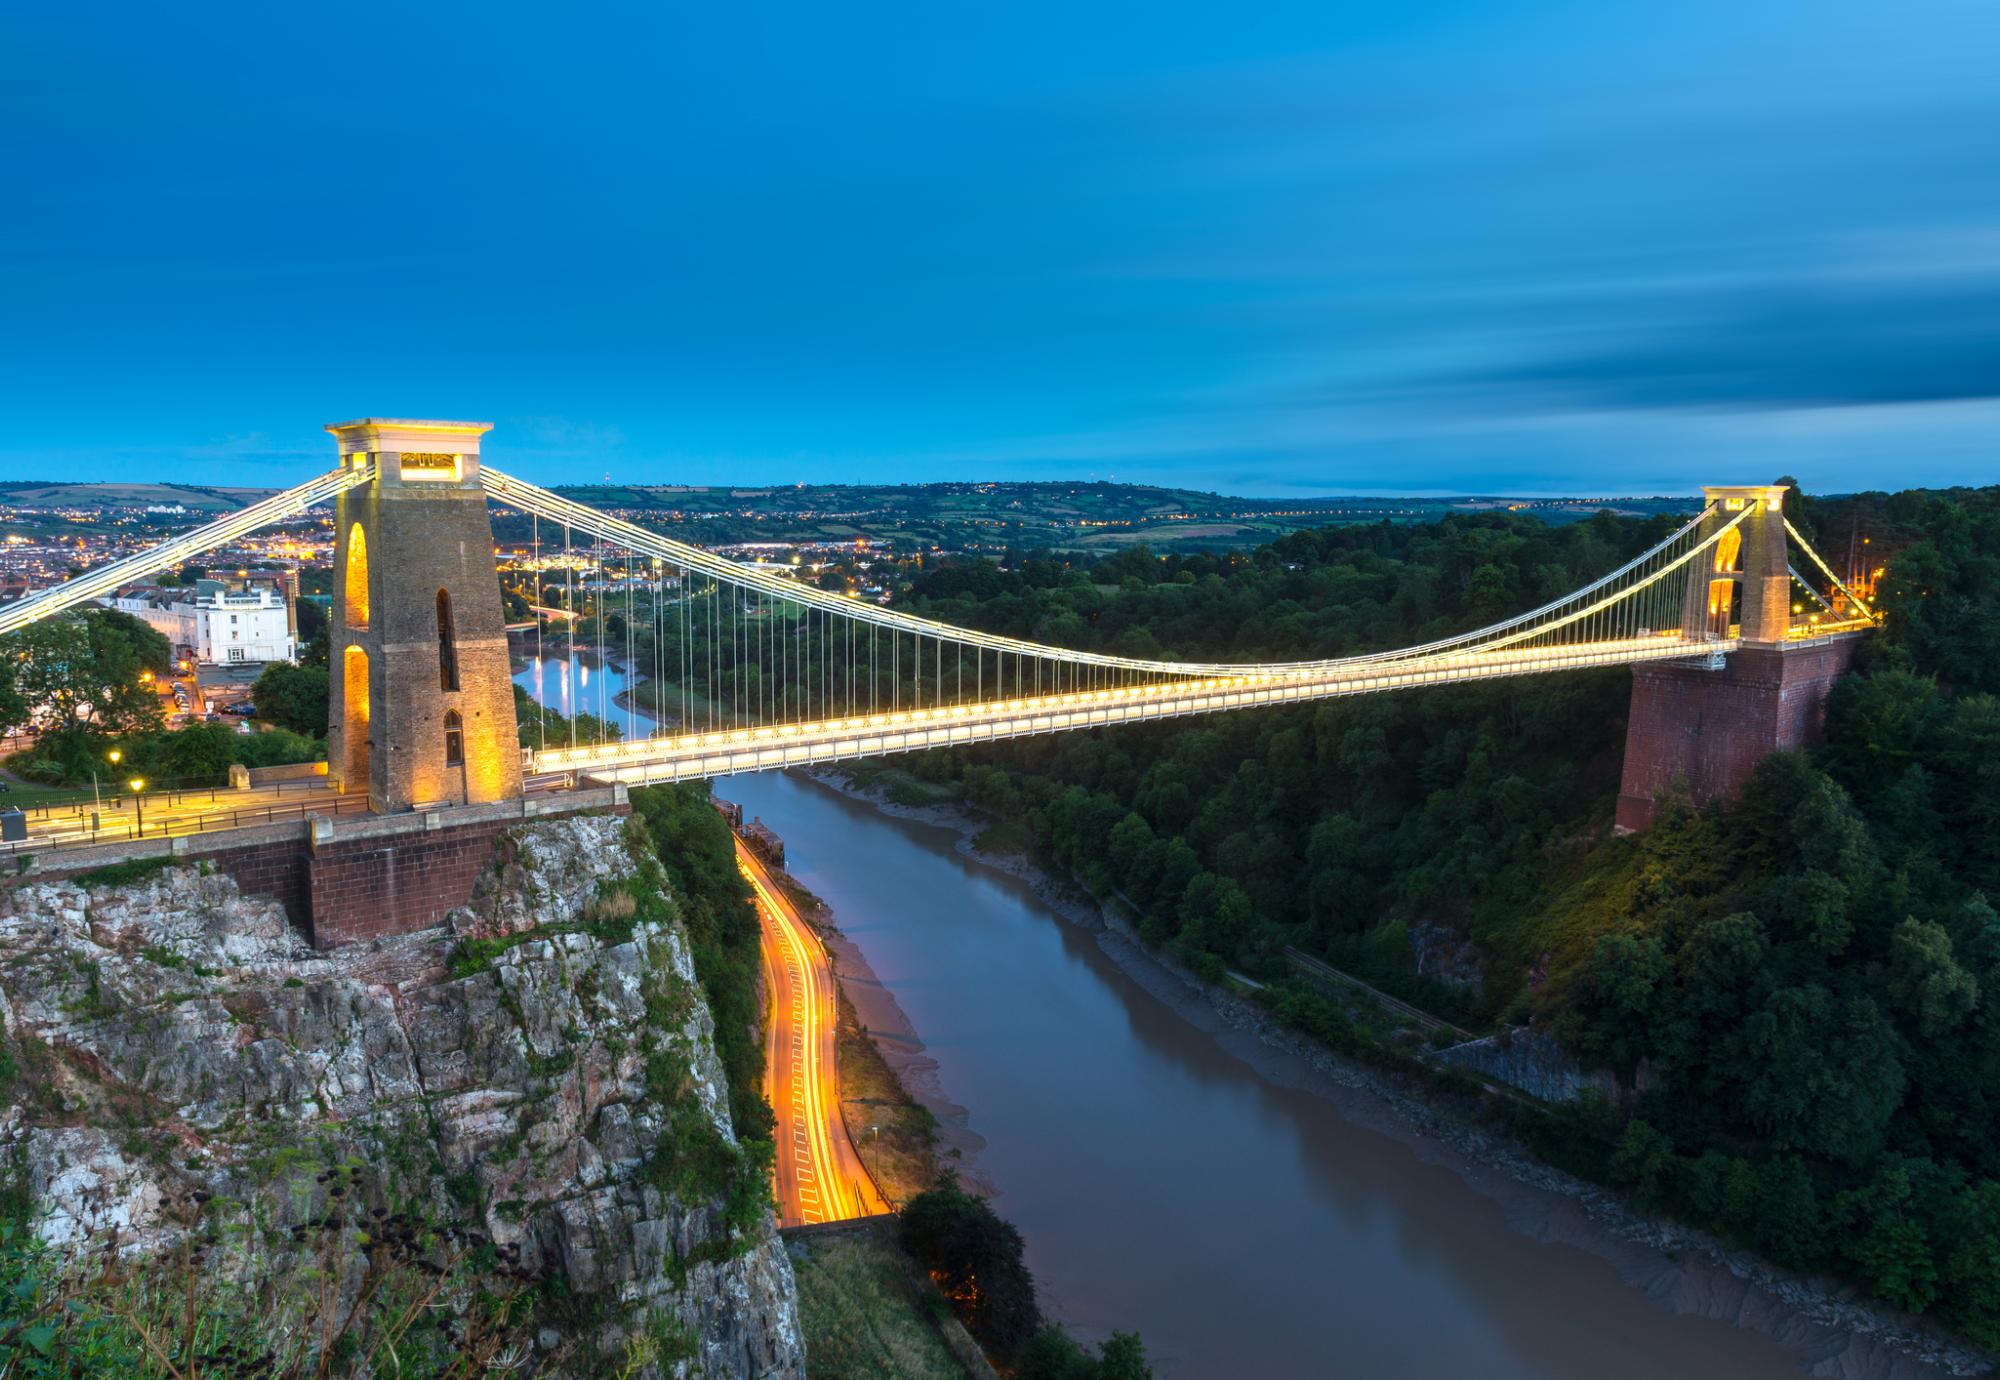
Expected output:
(1705, 727)
(422, 704)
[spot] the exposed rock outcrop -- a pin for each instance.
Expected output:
(541, 1079)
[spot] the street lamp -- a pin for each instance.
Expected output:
(138, 785)
(96, 799)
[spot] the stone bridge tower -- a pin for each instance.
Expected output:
(422, 702)
(1704, 728)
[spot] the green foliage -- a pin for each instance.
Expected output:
(975, 1258)
(276, 748)
(425, 1305)
(1806, 984)
(1052, 1354)
(14, 705)
(197, 755)
(124, 873)
(82, 671)
(692, 844)
(1808, 975)
(538, 726)
(293, 698)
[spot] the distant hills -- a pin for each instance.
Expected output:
(36, 493)
(1076, 516)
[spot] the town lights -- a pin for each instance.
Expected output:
(138, 785)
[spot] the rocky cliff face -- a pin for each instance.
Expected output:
(536, 1090)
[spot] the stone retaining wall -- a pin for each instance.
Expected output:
(342, 880)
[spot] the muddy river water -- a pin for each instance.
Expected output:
(1178, 1178)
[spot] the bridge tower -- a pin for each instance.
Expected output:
(422, 702)
(1705, 727)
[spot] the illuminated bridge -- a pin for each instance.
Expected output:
(1732, 621)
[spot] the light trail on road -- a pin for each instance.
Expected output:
(818, 1175)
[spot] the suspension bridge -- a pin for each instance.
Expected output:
(742, 667)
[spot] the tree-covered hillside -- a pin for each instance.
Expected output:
(1803, 988)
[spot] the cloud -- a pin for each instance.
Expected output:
(1823, 344)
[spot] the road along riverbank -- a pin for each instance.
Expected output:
(1487, 1250)
(817, 1177)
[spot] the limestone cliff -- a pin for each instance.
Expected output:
(529, 1103)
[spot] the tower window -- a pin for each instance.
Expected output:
(454, 739)
(447, 644)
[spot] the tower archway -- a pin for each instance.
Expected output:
(356, 736)
(354, 585)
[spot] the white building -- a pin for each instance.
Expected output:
(221, 624)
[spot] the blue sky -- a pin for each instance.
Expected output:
(1265, 248)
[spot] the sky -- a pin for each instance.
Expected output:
(1260, 247)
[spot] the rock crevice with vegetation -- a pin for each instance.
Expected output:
(509, 1142)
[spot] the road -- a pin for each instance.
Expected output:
(174, 812)
(818, 1176)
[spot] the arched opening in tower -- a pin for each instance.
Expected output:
(354, 588)
(447, 643)
(355, 727)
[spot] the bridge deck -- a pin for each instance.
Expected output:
(697, 755)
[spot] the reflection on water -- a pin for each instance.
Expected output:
(587, 683)
(1245, 1228)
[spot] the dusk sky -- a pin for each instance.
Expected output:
(1263, 248)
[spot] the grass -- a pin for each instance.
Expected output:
(899, 787)
(895, 1134)
(33, 795)
(865, 1316)
(124, 873)
(1005, 838)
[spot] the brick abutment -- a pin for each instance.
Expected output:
(344, 881)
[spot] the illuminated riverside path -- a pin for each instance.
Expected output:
(1172, 1176)
(1732, 643)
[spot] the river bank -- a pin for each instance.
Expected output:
(1822, 1325)
(875, 1013)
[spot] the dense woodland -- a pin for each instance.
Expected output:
(1802, 989)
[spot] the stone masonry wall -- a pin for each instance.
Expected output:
(370, 888)
(344, 881)
(1708, 730)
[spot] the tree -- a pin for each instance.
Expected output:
(88, 672)
(313, 633)
(976, 1259)
(1620, 1003)
(199, 752)
(537, 726)
(1052, 1354)
(1823, 1076)
(1214, 914)
(294, 698)
(1888, 1245)
(13, 704)
(276, 747)
(1927, 983)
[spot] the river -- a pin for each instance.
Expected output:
(587, 684)
(1168, 1179)
(1180, 1179)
